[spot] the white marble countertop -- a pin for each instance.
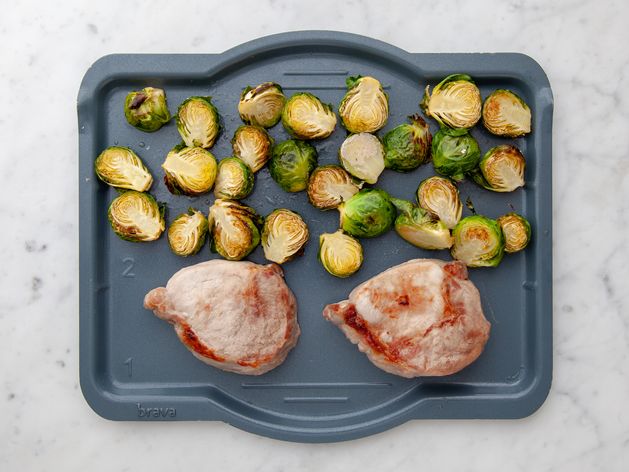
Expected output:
(46, 424)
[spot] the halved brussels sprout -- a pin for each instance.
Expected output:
(340, 254)
(455, 102)
(136, 216)
(407, 146)
(253, 145)
(454, 153)
(517, 231)
(367, 214)
(146, 109)
(506, 114)
(362, 155)
(198, 122)
(189, 170)
(291, 163)
(306, 117)
(234, 179)
(478, 241)
(262, 105)
(501, 169)
(419, 228)
(187, 232)
(365, 106)
(284, 235)
(329, 186)
(440, 197)
(122, 168)
(233, 229)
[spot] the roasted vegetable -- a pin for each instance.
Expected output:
(146, 109)
(291, 163)
(262, 105)
(234, 179)
(362, 155)
(365, 106)
(418, 227)
(367, 214)
(340, 254)
(501, 169)
(407, 146)
(329, 186)
(478, 242)
(189, 170)
(253, 145)
(454, 153)
(455, 102)
(136, 216)
(506, 114)
(440, 197)
(233, 229)
(121, 167)
(284, 235)
(198, 122)
(516, 230)
(305, 117)
(186, 234)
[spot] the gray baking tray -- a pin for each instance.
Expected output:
(132, 365)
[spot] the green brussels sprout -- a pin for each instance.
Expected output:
(329, 186)
(501, 169)
(234, 179)
(136, 216)
(478, 242)
(365, 106)
(122, 168)
(455, 102)
(291, 163)
(418, 227)
(284, 235)
(233, 229)
(189, 170)
(440, 197)
(454, 153)
(186, 234)
(262, 105)
(253, 145)
(407, 146)
(340, 254)
(506, 114)
(198, 122)
(306, 117)
(367, 214)
(517, 231)
(362, 155)
(146, 109)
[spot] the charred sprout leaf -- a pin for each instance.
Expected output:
(478, 242)
(291, 163)
(340, 254)
(187, 232)
(362, 155)
(305, 117)
(122, 168)
(329, 186)
(262, 105)
(419, 228)
(198, 122)
(506, 114)
(365, 106)
(517, 231)
(455, 102)
(407, 146)
(367, 214)
(136, 216)
(234, 179)
(284, 235)
(233, 229)
(501, 169)
(253, 145)
(440, 197)
(454, 153)
(189, 170)
(146, 109)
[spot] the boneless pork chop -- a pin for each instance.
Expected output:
(237, 316)
(419, 318)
